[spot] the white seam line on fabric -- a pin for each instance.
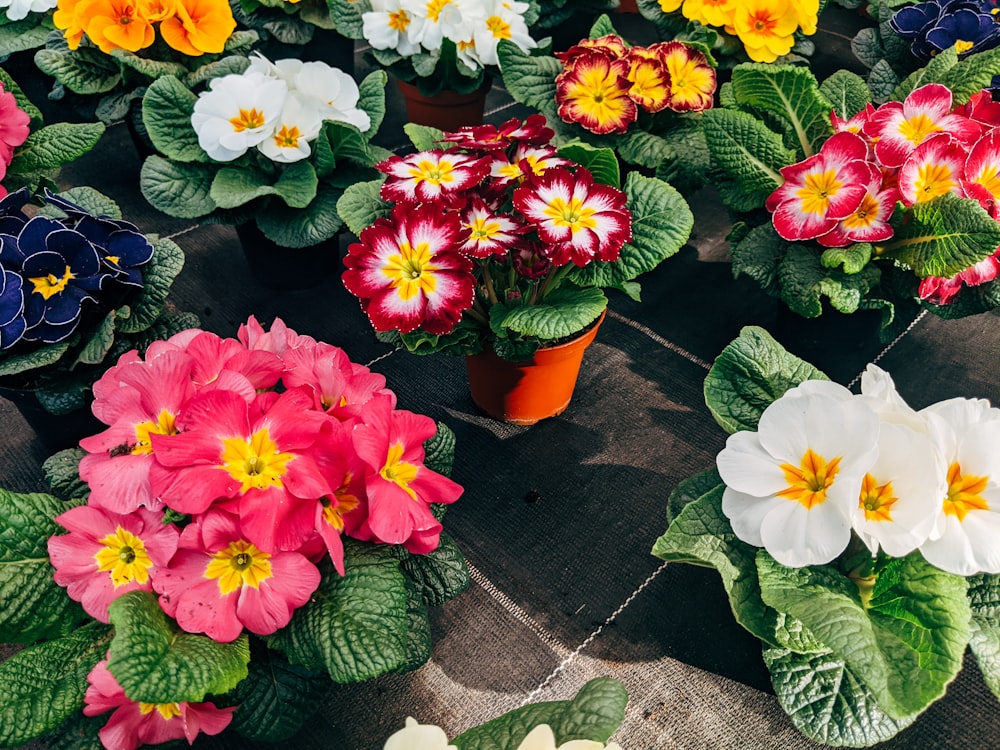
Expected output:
(512, 608)
(590, 639)
(921, 316)
(660, 340)
(382, 356)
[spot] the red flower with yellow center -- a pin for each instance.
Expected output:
(593, 91)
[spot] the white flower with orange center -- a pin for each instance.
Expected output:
(495, 21)
(298, 124)
(389, 25)
(792, 486)
(237, 113)
(964, 540)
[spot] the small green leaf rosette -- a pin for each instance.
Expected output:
(853, 659)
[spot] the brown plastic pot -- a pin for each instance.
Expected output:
(524, 393)
(277, 267)
(55, 431)
(446, 110)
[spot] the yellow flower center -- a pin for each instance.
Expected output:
(399, 471)
(574, 214)
(965, 493)
(238, 565)
(287, 137)
(819, 188)
(916, 129)
(346, 502)
(164, 425)
(866, 214)
(963, 46)
(167, 710)
(933, 180)
(400, 21)
(876, 499)
(989, 178)
(248, 119)
(256, 462)
(412, 271)
(124, 556)
(435, 172)
(483, 229)
(51, 285)
(434, 8)
(809, 482)
(499, 27)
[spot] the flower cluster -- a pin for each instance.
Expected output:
(278, 108)
(967, 26)
(416, 736)
(605, 83)
(498, 217)
(192, 27)
(766, 28)
(907, 152)
(14, 129)
(52, 268)
(825, 462)
(474, 27)
(230, 468)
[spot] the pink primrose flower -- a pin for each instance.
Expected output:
(581, 220)
(870, 220)
(898, 128)
(933, 169)
(14, 123)
(527, 161)
(220, 582)
(821, 190)
(253, 459)
(490, 232)
(399, 488)
(430, 175)
(279, 340)
(531, 131)
(982, 109)
(943, 291)
(981, 173)
(408, 273)
(107, 554)
(228, 364)
(135, 724)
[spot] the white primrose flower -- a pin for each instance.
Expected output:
(500, 19)
(416, 736)
(966, 537)
(542, 738)
(387, 26)
(880, 391)
(286, 69)
(18, 10)
(237, 113)
(334, 92)
(436, 20)
(792, 486)
(298, 124)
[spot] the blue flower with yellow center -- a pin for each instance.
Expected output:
(12, 324)
(968, 26)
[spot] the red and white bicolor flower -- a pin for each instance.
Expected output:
(820, 191)
(934, 169)
(490, 232)
(869, 222)
(430, 175)
(408, 272)
(982, 169)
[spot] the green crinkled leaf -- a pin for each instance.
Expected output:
(439, 575)
(439, 450)
(34, 606)
(423, 137)
(971, 74)
(418, 630)
(302, 227)
(179, 190)
(167, 106)
(852, 259)
(62, 472)
(752, 371)
(147, 66)
(747, 151)
(78, 732)
(66, 392)
(100, 338)
(93, 201)
(867, 47)
(230, 65)
(882, 82)
(26, 34)
(701, 534)
(55, 145)
(277, 698)
(84, 71)
(758, 254)
(354, 627)
(690, 489)
(661, 224)
(530, 79)
(594, 714)
(792, 95)
(44, 684)
(939, 65)
(943, 236)
(157, 278)
(360, 205)
(42, 357)
(236, 186)
(847, 91)
(371, 99)
(347, 144)
(156, 662)
(984, 599)
(647, 149)
(826, 701)
(602, 162)
(805, 281)
(564, 312)
(906, 644)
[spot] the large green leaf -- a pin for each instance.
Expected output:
(943, 236)
(594, 714)
(85, 71)
(971, 75)
(690, 489)
(55, 145)
(563, 313)
(148, 66)
(937, 68)
(805, 281)
(361, 205)
(99, 339)
(167, 106)
(984, 598)
(157, 278)
(44, 684)
(26, 34)
(530, 79)
(747, 151)
(371, 99)
(601, 162)
(905, 642)
(826, 701)
(237, 186)
(439, 450)
(302, 227)
(418, 630)
(179, 190)
(439, 575)
(33, 360)
(748, 375)
(354, 627)
(661, 224)
(789, 93)
(701, 534)
(848, 92)
(34, 606)
(758, 254)
(62, 472)
(155, 662)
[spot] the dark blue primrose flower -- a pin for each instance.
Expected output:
(12, 323)
(966, 31)
(916, 22)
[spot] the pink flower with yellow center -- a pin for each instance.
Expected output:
(107, 554)
(399, 488)
(692, 78)
(490, 232)
(650, 81)
(134, 724)
(934, 169)
(869, 222)
(220, 582)
(430, 175)
(899, 127)
(766, 28)
(593, 91)
(982, 168)
(581, 220)
(526, 162)
(253, 459)
(821, 190)
(408, 273)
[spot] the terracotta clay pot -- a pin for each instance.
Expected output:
(524, 393)
(277, 267)
(628, 6)
(446, 110)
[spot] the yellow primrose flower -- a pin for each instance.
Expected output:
(199, 26)
(711, 12)
(766, 28)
